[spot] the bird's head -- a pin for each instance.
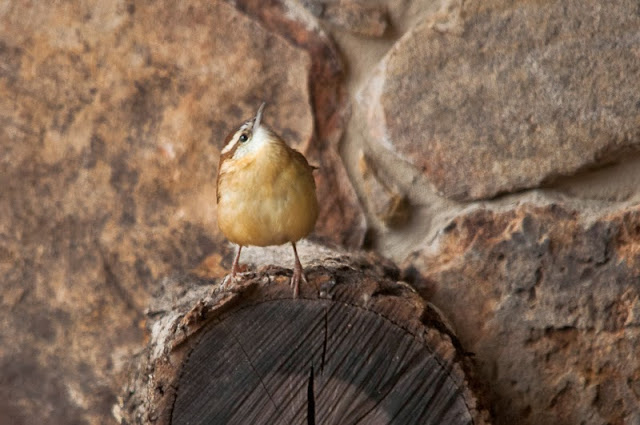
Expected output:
(249, 138)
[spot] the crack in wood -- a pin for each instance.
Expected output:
(275, 406)
(326, 338)
(311, 400)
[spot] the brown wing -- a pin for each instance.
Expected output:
(298, 157)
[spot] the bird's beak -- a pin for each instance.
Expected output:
(258, 118)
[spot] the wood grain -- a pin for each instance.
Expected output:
(254, 367)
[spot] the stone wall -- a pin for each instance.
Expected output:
(491, 148)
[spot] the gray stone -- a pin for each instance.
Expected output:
(519, 93)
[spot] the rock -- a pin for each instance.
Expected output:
(549, 303)
(112, 118)
(386, 201)
(520, 93)
(353, 16)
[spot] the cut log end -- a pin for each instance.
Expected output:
(354, 348)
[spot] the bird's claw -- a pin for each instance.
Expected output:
(229, 280)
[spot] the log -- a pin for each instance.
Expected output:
(357, 347)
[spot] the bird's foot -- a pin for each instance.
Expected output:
(298, 275)
(232, 278)
(229, 281)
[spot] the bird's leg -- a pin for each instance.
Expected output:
(234, 267)
(231, 278)
(298, 273)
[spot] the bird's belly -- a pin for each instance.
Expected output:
(253, 211)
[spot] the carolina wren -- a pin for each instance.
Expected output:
(266, 192)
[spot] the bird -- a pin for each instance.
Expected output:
(266, 192)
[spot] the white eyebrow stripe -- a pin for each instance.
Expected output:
(229, 145)
(234, 139)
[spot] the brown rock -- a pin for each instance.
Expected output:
(550, 307)
(112, 119)
(518, 95)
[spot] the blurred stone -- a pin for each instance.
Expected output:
(519, 94)
(549, 305)
(112, 117)
(386, 202)
(353, 16)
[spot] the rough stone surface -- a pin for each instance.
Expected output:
(112, 117)
(549, 305)
(355, 16)
(386, 202)
(514, 95)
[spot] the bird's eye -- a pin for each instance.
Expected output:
(244, 137)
